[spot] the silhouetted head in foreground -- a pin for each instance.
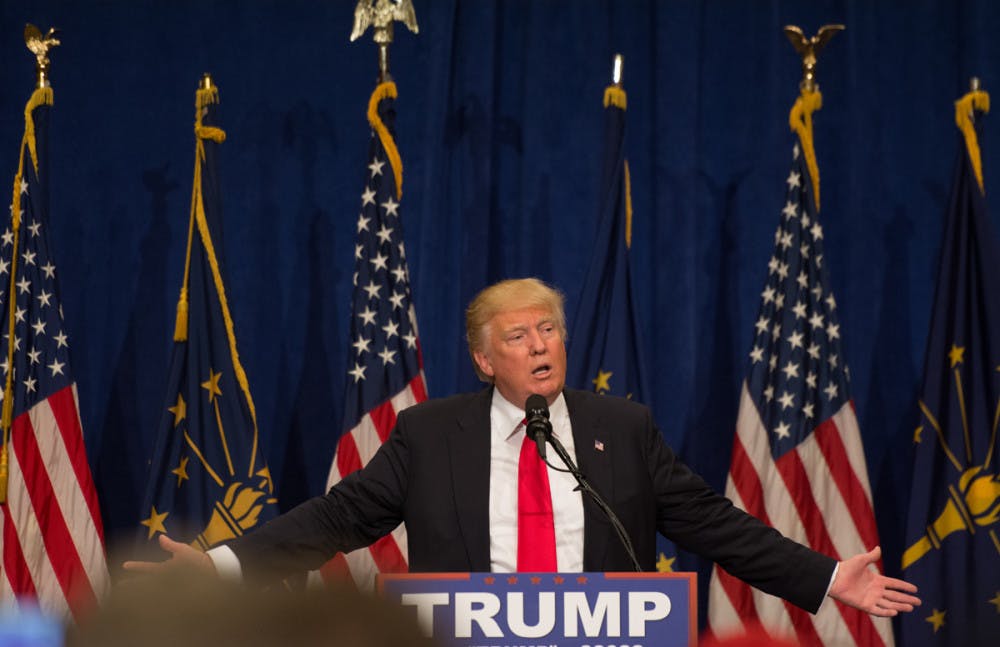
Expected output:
(194, 610)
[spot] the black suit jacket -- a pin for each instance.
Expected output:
(433, 474)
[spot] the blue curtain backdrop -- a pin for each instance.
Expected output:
(499, 127)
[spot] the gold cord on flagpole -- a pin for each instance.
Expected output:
(800, 120)
(975, 99)
(207, 93)
(810, 99)
(386, 90)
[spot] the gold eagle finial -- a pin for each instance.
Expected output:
(809, 49)
(40, 45)
(380, 14)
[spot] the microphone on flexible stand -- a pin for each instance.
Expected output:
(539, 429)
(536, 414)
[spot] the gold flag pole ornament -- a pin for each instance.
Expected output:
(39, 45)
(810, 99)
(380, 14)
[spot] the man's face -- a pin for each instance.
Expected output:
(524, 353)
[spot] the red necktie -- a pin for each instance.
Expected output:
(536, 532)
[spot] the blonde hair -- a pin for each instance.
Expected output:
(512, 294)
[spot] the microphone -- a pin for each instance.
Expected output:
(536, 413)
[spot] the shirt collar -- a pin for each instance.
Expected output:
(509, 416)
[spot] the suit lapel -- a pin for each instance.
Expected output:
(469, 452)
(593, 457)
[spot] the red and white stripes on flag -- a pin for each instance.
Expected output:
(53, 541)
(355, 449)
(818, 495)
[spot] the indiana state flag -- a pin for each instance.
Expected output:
(604, 343)
(208, 480)
(953, 536)
(604, 349)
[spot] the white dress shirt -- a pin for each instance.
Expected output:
(506, 436)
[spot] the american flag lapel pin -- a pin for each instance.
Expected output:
(598, 445)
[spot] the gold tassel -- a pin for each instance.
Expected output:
(181, 324)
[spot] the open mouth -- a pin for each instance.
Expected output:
(541, 371)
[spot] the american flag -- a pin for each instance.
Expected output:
(798, 463)
(53, 541)
(385, 368)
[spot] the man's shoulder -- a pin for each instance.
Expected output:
(589, 403)
(447, 406)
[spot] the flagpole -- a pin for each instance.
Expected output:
(38, 45)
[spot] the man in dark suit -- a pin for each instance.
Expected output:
(449, 471)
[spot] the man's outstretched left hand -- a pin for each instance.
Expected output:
(859, 585)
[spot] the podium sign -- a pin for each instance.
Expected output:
(550, 609)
